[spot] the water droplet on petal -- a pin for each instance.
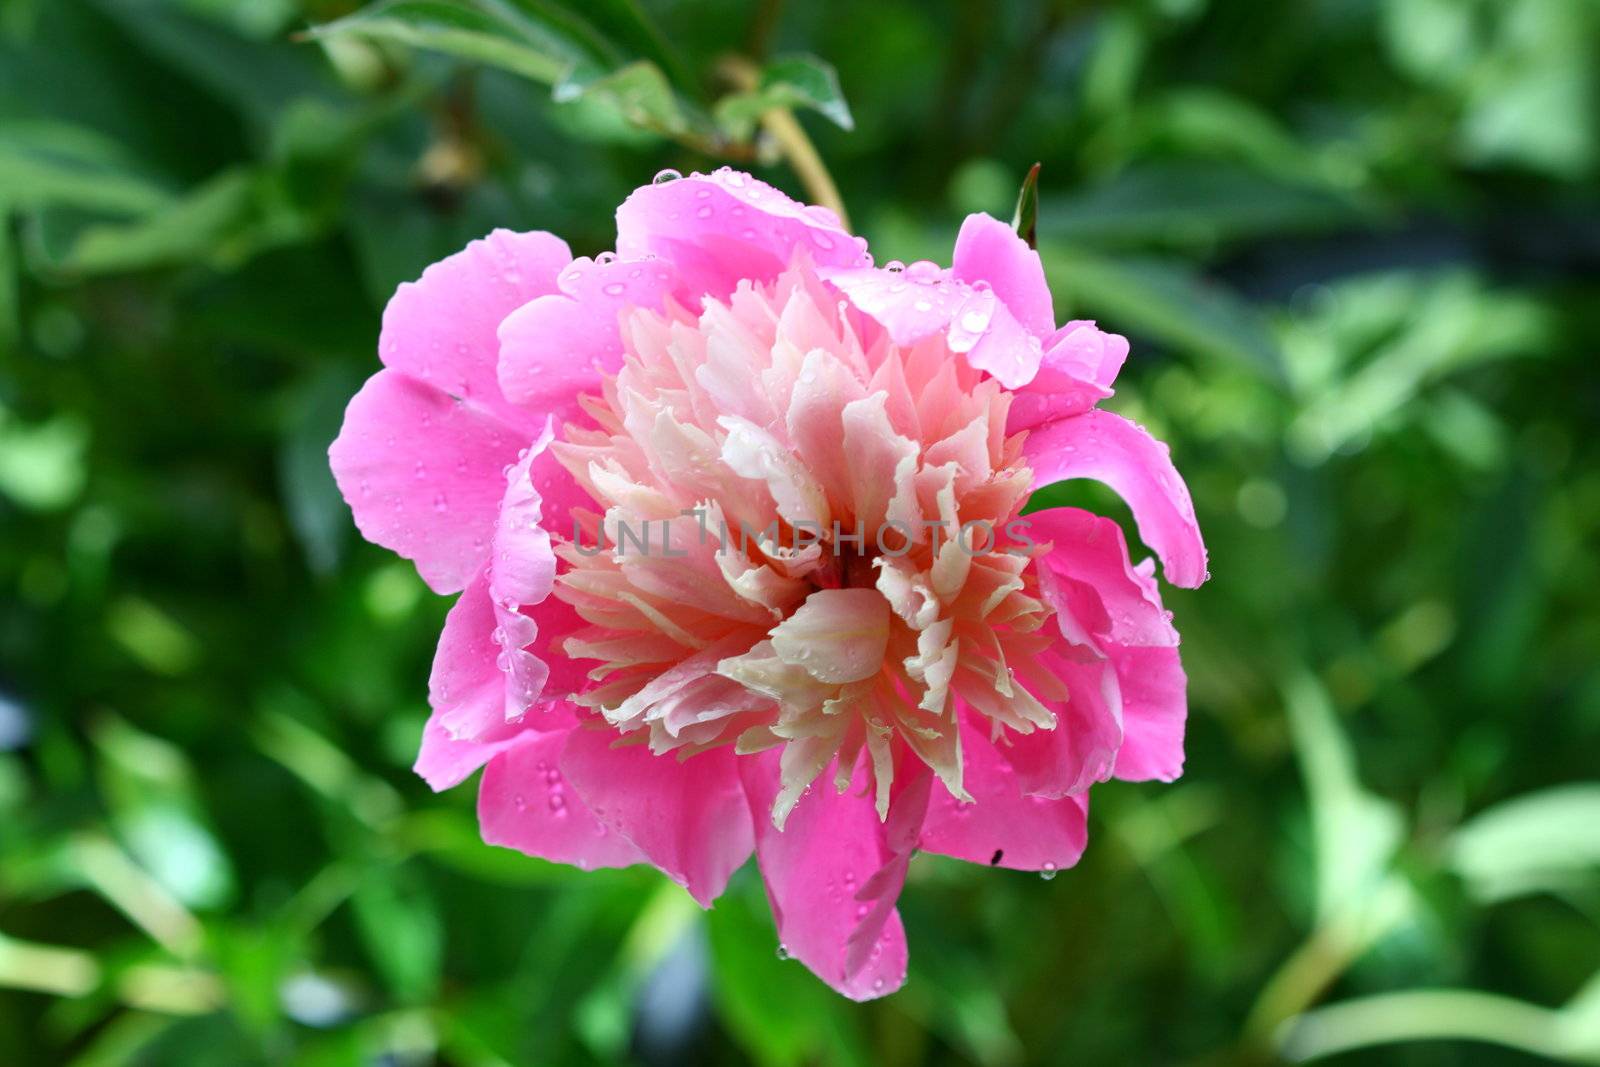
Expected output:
(664, 176)
(783, 951)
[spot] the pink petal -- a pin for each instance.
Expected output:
(994, 341)
(524, 803)
(689, 818)
(445, 761)
(916, 302)
(1075, 373)
(1154, 708)
(834, 872)
(1082, 748)
(719, 229)
(1004, 828)
(421, 472)
(922, 300)
(556, 347)
(1090, 550)
(988, 250)
(441, 328)
(522, 571)
(469, 691)
(1120, 453)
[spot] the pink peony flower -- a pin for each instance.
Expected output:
(735, 519)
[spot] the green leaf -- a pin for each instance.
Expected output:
(1356, 832)
(1194, 205)
(638, 92)
(1542, 841)
(490, 33)
(400, 926)
(54, 164)
(158, 812)
(1166, 302)
(1025, 219)
(794, 82)
(222, 222)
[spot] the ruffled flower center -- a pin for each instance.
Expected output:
(805, 536)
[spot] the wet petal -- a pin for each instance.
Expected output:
(722, 228)
(525, 804)
(688, 818)
(1120, 453)
(421, 472)
(1005, 827)
(833, 874)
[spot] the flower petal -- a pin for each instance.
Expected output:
(1090, 550)
(524, 803)
(837, 635)
(723, 228)
(1075, 373)
(445, 761)
(834, 872)
(441, 328)
(1120, 453)
(421, 472)
(1154, 708)
(916, 302)
(922, 300)
(1082, 748)
(988, 250)
(688, 818)
(1004, 828)
(556, 347)
(469, 691)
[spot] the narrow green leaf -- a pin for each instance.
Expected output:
(54, 164)
(400, 926)
(1025, 219)
(157, 811)
(1356, 832)
(1194, 204)
(482, 33)
(1541, 841)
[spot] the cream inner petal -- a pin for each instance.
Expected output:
(803, 535)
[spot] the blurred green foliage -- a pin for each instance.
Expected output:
(1357, 246)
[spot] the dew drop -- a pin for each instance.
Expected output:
(664, 176)
(1048, 872)
(704, 212)
(521, 802)
(783, 951)
(615, 289)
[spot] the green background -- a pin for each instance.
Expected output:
(1357, 248)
